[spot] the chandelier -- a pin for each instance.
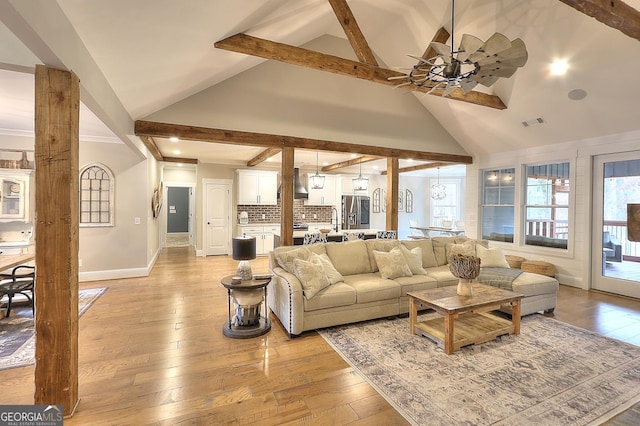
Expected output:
(317, 181)
(475, 62)
(360, 183)
(438, 191)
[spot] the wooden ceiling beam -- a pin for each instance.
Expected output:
(254, 46)
(352, 30)
(236, 137)
(421, 167)
(263, 156)
(348, 163)
(613, 13)
(152, 147)
(180, 160)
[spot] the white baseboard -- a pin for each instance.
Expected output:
(200, 253)
(115, 274)
(570, 281)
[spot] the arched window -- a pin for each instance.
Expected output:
(96, 196)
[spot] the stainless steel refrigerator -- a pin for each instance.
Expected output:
(355, 212)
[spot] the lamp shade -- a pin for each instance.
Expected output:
(244, 248)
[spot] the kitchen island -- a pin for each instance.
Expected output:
(298, 236)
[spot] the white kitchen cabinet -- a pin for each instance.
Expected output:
(322, 197)
(257, 187)
(14, 194)
(264, 235)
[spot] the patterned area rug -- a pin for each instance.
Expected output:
(551, 374)
(17, 340)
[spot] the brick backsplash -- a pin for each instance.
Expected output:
(272, 213)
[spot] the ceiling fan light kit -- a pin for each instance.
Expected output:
(475, 62)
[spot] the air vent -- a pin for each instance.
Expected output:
(533, 122)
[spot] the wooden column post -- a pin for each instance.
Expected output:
(57, 106)
(286, 197)
(392, 193)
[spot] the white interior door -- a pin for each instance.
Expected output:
(615, 258)
(217, 218)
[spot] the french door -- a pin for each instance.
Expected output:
(615, 254)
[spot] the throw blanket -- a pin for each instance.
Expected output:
(499, 277)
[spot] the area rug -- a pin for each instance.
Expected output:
(550, 374)
(17, 340)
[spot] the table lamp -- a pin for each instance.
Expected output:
(244, 249)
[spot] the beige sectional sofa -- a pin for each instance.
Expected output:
(333, 283)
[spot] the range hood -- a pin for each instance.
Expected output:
(299, 190)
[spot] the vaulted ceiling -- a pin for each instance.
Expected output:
(155, 54)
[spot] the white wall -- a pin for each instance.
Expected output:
(125, 249)
(573, 265)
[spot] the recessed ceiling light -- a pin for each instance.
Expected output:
(577, 94)
(325, 163)
(176, 152)
(174, 139)
(353, 156)
(559, 67)
(410, 160)
(179, 164)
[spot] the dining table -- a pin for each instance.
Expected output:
(426, 230)
(11, 260)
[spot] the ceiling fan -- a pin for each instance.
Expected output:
(475, 62)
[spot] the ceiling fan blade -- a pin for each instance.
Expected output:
(484, 79)
(443, 50)
(496, 43)
(436, 87)
(402, 84)
(498, 70)
(399, 77)
(468, 46)
(418, 58)
(450, 88)
(516, 55)
(467, 85)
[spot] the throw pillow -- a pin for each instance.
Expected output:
(332, 273)
(414, 260)
(491, 257)
(311, 276)
(468, 248)
(286, 257)
(392, 264)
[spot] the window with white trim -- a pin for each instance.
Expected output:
(498, 208)
(96, 196)
(547, 205)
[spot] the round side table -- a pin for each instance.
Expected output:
(233, 327)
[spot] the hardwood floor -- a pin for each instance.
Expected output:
(152, 352)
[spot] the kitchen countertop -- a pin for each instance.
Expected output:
(300, 234)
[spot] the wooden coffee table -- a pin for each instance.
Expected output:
(467, 319)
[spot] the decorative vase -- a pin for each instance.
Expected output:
(465, 287)
(466, 269)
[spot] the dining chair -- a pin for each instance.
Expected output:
(351, 236)
(314, 238)
(387, 235)
(21, 280)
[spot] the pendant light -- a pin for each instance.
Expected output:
(438, 191)
(360, 183)
(317, 181)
